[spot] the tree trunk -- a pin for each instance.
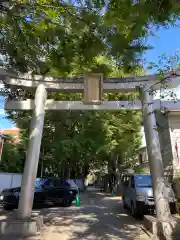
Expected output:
(86, 171)
(115, 169)
(109, 182)
(118, 182)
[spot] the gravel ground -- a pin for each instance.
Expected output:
(100, 217)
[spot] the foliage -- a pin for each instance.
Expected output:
(74, 142)
(141, 171)
(13, 156)
(67, 39)
(45, 35)
(177, 179)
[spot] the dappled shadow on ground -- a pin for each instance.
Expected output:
(99, 217)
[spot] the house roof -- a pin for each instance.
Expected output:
(12, 131)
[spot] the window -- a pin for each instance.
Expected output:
(64, 183)
(143, 180)
(132, 182)
(49, 183)
(39, 182)
(140, 158)
(126, 181)
(72, 184)
(145, 157)
(58, 183)
(43, 182)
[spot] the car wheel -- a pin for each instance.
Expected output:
(67, 203)
(133, 210)
(135, 213)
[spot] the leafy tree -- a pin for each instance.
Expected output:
(42, 35)
(75, 142)
(60, 38)
(13, 156)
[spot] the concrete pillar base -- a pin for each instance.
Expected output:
(163, 230)
(23, 228)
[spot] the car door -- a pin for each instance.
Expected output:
(49, 190)
(58, 185)
(132, 191)
(127, 190)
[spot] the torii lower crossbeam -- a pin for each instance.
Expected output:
(79, 105)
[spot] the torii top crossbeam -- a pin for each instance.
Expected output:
(128, 84)
(170, 80)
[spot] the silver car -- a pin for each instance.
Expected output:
(137, 194)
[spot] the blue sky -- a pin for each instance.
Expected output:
(168, 41)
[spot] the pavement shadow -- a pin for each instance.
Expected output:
(100, 216)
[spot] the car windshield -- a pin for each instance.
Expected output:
(72, 183)
(143, 181)
(39, 182)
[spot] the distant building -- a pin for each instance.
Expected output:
(169, 138)
(14, 133)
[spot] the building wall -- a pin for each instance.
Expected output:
(169, 136)
(143, 157)
(174, 125)
(162, 122)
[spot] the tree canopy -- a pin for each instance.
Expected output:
(44, 35)
(76, 141)
(68, 38)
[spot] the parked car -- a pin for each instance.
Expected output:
(80, 183)
(47, 191)
(137, 194)
(90, 183)
(10, 180)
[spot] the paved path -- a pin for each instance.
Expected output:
(100, 217)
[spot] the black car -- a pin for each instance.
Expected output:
(47, 191)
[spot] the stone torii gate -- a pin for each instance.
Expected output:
(93, 86)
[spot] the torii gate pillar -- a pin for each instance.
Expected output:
(154, 155)
(32, 157)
